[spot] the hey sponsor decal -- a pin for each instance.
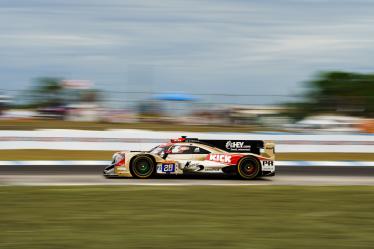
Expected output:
(237, 146)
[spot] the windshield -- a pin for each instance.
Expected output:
(159, 149)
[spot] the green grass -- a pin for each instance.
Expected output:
(107, 155)
(186, 217)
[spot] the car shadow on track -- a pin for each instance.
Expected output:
(199, 176)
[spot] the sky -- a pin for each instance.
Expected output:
(265, 47)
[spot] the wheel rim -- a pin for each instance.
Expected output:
(142, 167)
(248, 168)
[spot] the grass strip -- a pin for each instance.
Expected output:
(129, 217)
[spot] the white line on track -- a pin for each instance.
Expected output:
(96, 180)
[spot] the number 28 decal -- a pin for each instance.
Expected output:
(168, 167)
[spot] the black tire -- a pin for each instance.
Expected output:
(249, 168)
(142, 167)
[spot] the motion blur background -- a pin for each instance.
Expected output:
(80, 79)
(283, 65)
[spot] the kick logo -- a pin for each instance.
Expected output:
(220, 158)
(237, 146)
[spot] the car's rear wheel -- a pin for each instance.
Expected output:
(249, 168)
(142, 167)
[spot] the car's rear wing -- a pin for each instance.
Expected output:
(239, 146)
(269, 150)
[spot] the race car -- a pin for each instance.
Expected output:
(246, 158)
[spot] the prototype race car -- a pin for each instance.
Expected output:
(247, 158)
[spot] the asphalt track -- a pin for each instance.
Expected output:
(91, 175)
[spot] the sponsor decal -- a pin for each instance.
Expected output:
(268, 163)
(220, 158)
(237, 146)
(213, 169)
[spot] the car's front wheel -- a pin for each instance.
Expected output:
(249, 168)
(142, 167)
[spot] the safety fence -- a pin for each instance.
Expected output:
(145, 139)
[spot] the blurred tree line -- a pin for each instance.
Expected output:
(50, 92)
(336, 92)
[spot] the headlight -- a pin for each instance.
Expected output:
(118, 158)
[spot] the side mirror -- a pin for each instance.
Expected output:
(164, 154)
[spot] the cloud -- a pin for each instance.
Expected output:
(195, 43)
(48, 39)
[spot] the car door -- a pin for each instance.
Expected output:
(187, 155)
(180, 152)
(199, 153)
